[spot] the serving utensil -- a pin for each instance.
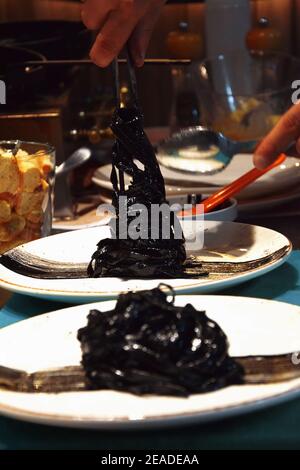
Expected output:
(208, 152)
(210, 148)
(231, 189)
(133, 96)
(78, 158)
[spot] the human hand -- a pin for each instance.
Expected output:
(119, 21)
(279, 139)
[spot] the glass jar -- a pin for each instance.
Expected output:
(227, 23)
(248, 108)
(184, 44)
(26, 192)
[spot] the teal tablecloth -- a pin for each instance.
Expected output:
(277, 427)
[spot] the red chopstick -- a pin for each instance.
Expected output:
(231, 189)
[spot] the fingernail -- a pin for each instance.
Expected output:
(260, 162)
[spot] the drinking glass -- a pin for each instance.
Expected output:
(26, 192)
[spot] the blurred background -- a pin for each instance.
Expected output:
(284, 15)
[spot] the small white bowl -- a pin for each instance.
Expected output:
(228, 214)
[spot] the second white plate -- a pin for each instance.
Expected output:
(253, 327)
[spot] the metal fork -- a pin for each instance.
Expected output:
(133, 91)
(132, 80)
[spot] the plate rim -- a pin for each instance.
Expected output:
(182, 419)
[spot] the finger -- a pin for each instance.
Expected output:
(141, 36)
(95, 12)
(279, 139)
(113, 36)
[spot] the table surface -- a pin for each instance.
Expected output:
(274, 428)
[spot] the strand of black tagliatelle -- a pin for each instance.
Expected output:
(151, 249)
(148, 345)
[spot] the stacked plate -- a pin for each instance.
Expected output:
(55, 268)
(276, 187)
(254, 327)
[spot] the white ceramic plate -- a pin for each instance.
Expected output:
(68, 226)
(223, 241)
(279, 179)
(253, 327)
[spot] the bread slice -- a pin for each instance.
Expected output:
(9, 173)
(5, 211)
(30, 176)
(26, 203)
(10, 230)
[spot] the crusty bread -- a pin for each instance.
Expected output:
(30, 176)
(28, 202)
(44, 163)
(23, 196)
(10, 230)
(9, 174)
(5, 211)
(35, 217)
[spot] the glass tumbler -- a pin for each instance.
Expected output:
(244, 94)
(27, 174)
